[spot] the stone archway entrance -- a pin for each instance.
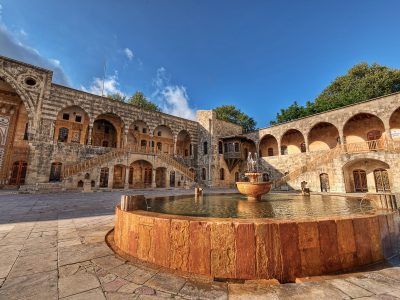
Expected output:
(140, 174)
(119, 176)
(161, 174)
(367, 175)
(324, 182)
(18, 172)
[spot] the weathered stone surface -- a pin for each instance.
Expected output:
(268, 251)
(309, 248)
(385, 236)
(199, 248)
(145, 232)
(95, 294)
(161, 242)
(166, 282)
(354, 291)
(363, 241)
(245, 251)
(76, 284)
(291, 264)
(223, 250)
(179, 245)
(329, 246)
(346, 243)
(199, 290)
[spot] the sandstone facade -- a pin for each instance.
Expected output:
(46, 129)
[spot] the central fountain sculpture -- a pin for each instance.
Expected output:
(254, 188)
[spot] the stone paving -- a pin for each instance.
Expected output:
(52, 247)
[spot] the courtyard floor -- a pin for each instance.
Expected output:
(52, 247)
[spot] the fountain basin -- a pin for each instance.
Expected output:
(257, 248)
(253, 190)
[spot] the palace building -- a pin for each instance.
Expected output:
(53, 137)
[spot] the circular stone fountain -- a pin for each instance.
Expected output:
(253, 188)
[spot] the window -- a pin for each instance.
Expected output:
(205, 148)
(55, 172)
(203, 174)
(136, 128)
(220, 150)
(284, 150)
(159, 146)
(63, 135)
(270, 152)
(143, 143)
(26, 132)
(222, 174)
(144, 130)
(104, 177)
(236, 147)
(190, 149)
(159, 133)
(66, 117)
(78, 118)
(226, 147)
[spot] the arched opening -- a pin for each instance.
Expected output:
(14, 120)
(80, 184)
(138, 135)
(18, 173)
(394, 124)
(292, 142)
(55, 172)
(104, 177)
(172, 179)
(71, 125)
(268, 146)
(161, 177)
(222, 174)
(183, 142)
(119, 177)
(107, 131)
(203, 174)
(367, 175)
(324, 182)
(363, 127)
(163, 136)
(323, 136)
(140, 174)
(205, 148)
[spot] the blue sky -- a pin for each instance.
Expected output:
(187, 55)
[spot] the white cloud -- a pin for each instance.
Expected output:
(12, 47)
(111, 86)
(129, 53)
(173, 99)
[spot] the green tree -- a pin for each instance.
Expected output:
(140, 100)
(117, 97)
(362, 82)
(232, 114)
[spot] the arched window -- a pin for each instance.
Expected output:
(203, 174)
(270, 151)
(26, 132)
(220, 148)
(63, 135)
(205, 148)
(222, 174)
(159, 146)
(55, 172)
(80, 184)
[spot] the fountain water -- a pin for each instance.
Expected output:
(253, 189)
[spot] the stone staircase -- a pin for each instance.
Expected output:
(99, 160)
(329, 155)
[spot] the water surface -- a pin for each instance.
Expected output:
(278, 206)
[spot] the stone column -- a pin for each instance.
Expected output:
(167, 178)
(90, 134)
(126, 185)
(153, 178)
(175, 140)
(279, 146)
(125, 138)
(110, 177)
(306, 143)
